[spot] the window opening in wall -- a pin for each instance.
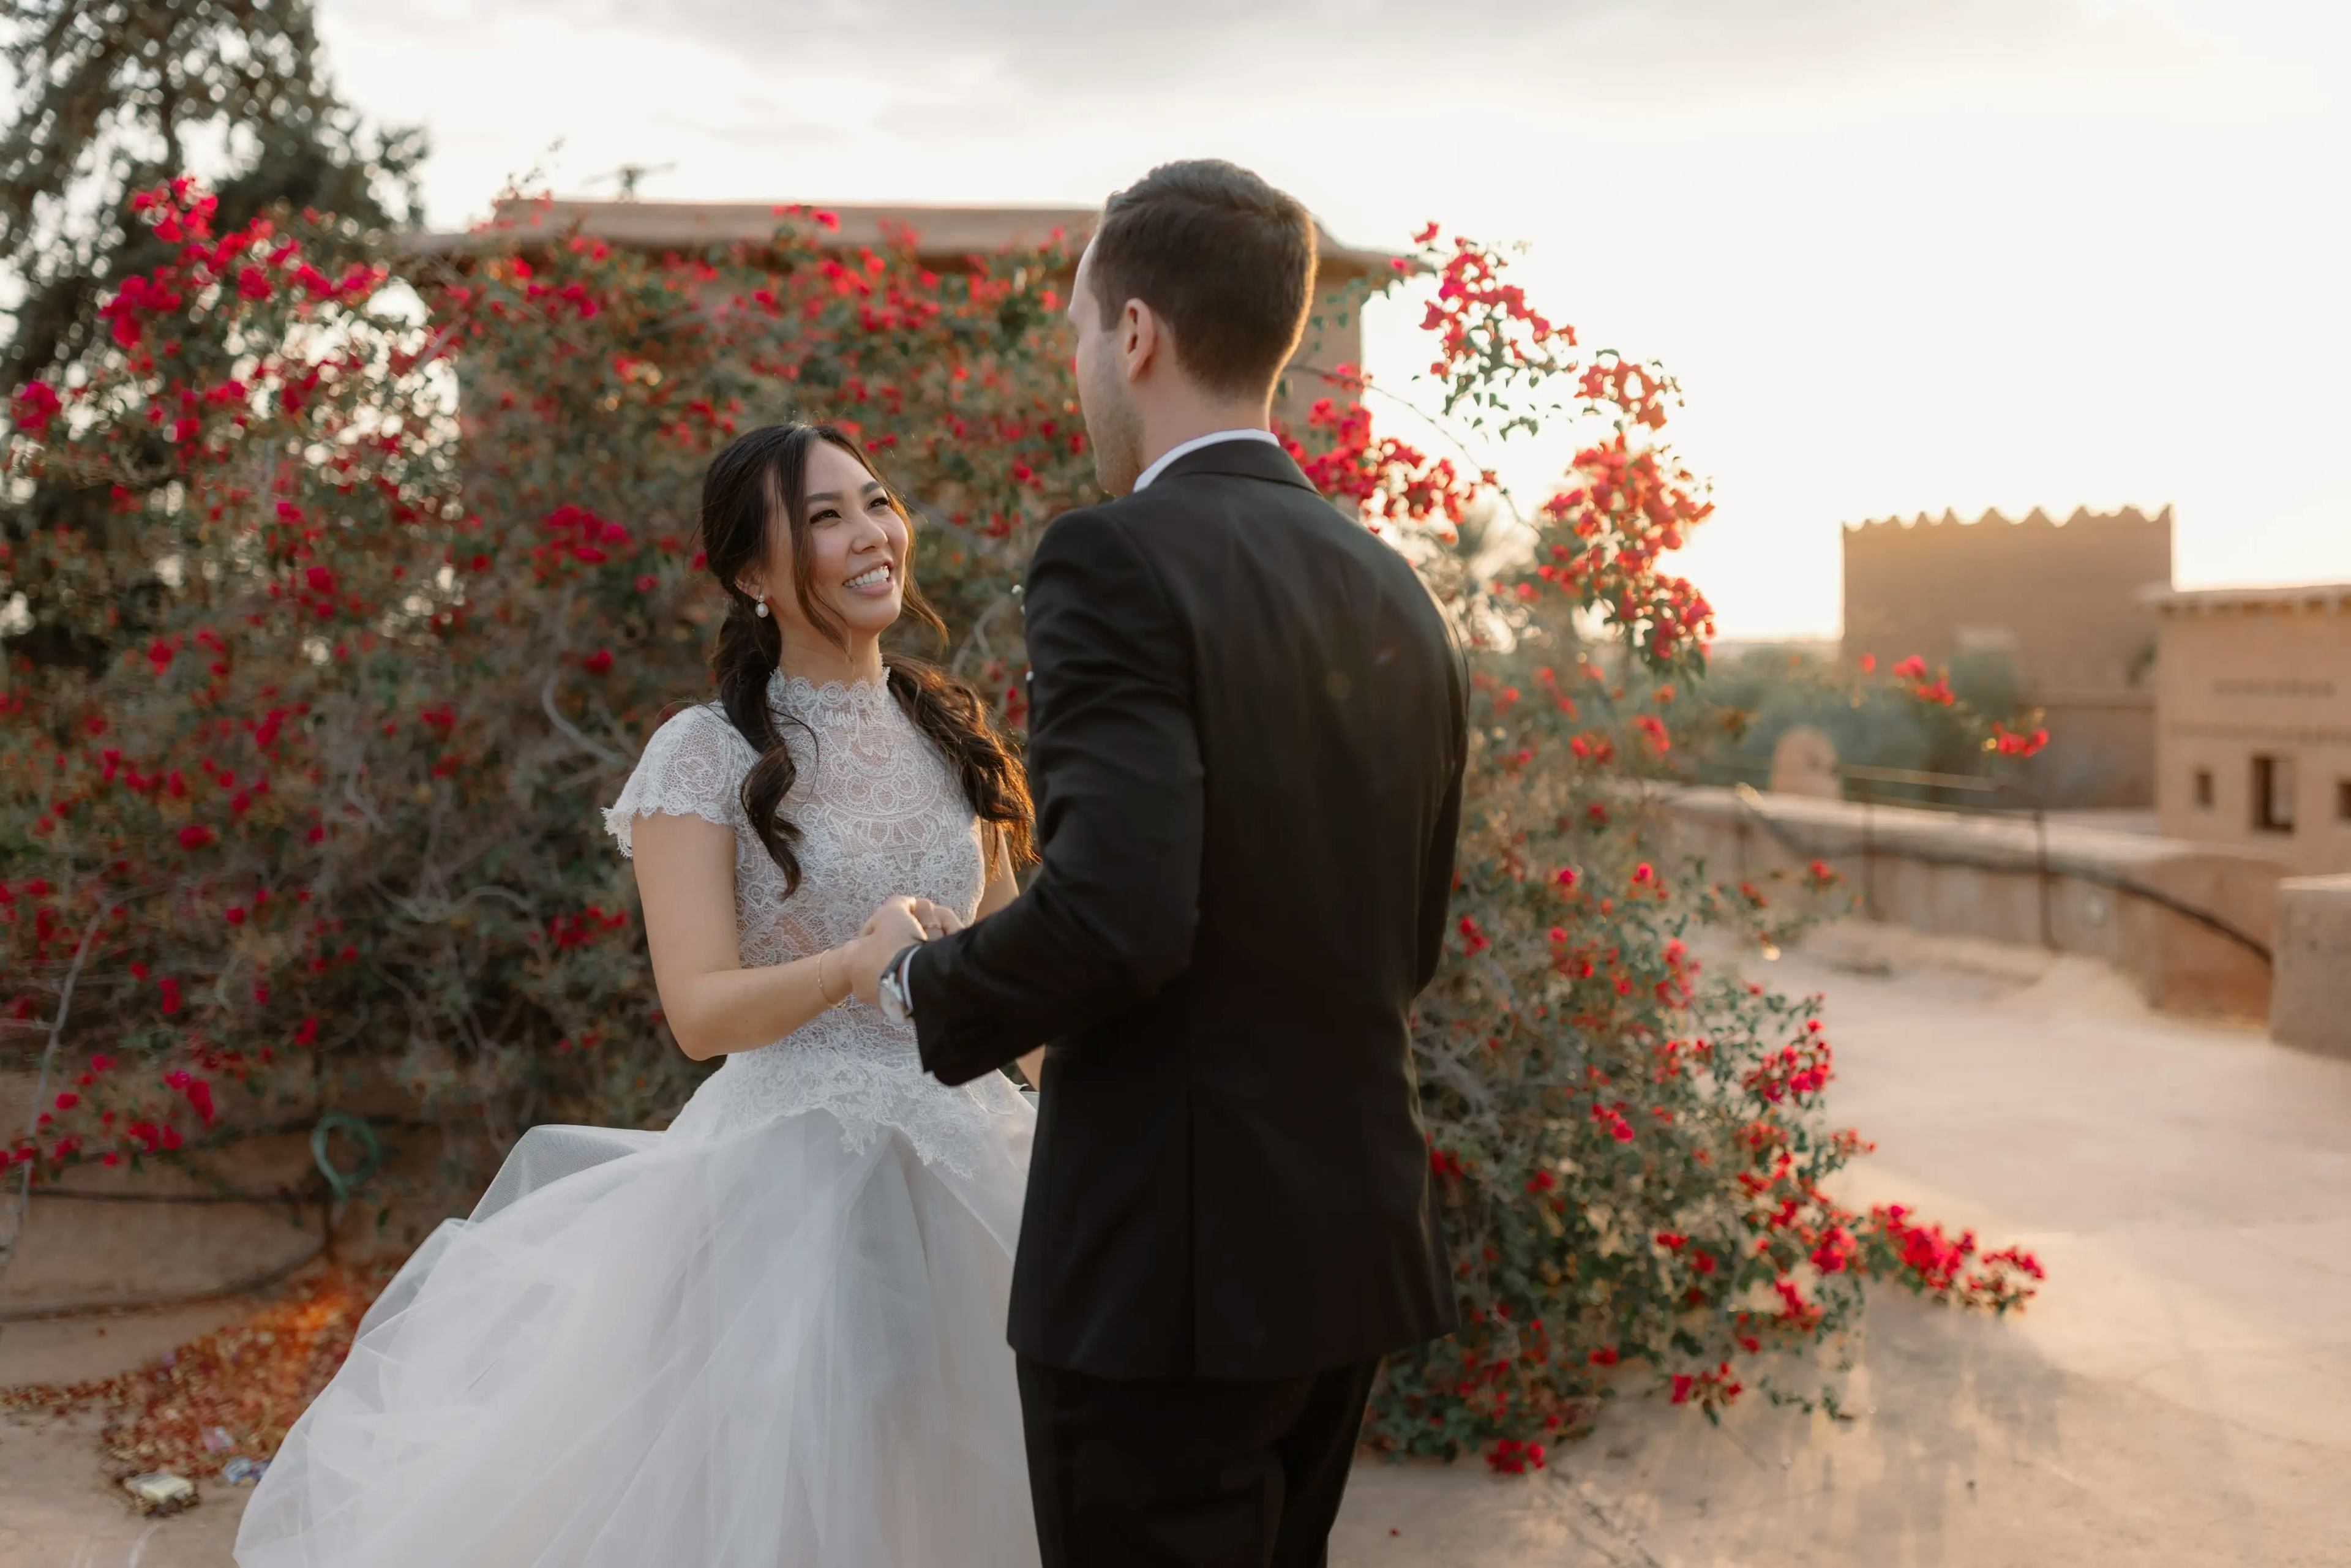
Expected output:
(2204, 789)
(2273, 794)
(2342, 799)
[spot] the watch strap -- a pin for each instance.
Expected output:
(898, 1007)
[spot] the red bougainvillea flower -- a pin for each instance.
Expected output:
(36, 404)
(198, 1092)
(1836, 1249)
(1515, 1456)
(2006, 742)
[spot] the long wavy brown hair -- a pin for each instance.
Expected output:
(752, 487)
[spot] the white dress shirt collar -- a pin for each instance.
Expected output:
(1185, 448)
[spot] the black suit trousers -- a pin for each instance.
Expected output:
(1189, 1472)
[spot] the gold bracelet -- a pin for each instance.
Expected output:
(823, 992)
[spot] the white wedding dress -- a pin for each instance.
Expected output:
(770, 1337)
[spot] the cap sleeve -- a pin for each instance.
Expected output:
(693, 766)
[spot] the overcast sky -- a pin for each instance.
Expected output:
(1905, 255)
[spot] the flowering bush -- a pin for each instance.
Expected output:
(423, 565)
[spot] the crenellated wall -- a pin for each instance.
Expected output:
(2067, 603)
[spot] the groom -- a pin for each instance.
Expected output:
(1246, 742)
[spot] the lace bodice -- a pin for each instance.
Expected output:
(880, 813)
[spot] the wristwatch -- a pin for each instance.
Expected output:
(896, 1010)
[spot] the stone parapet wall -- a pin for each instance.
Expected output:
(100, 1238)
(2312, 1007)
(246, 1204)
(2115, 896)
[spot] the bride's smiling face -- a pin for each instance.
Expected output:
(854, 539)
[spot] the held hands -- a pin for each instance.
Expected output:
(898, 924)
(914, 919)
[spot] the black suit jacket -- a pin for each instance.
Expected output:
(1245, 740)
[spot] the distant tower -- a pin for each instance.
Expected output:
(2066, 603)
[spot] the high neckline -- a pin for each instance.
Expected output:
(797, 694)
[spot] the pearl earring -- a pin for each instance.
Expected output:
(761, 610)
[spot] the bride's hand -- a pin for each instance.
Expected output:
(892, 928)
(938, 919)
(931, 919)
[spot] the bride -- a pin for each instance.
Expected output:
(772, 1336)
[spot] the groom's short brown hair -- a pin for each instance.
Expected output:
(1221, 257)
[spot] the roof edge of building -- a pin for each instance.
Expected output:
(2283, 596)
(941, 228)
(2081, 517)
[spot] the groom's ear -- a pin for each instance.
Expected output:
(1141, 340)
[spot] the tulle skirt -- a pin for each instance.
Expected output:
(782, 1347)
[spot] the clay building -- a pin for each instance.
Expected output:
(2058, 609)
(2253, 708)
